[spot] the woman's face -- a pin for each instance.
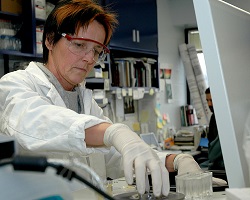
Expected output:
(70, 68)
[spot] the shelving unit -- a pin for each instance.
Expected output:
(27, 34)
(128, 55)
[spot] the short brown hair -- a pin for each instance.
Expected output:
(207, 91)
(69, 16)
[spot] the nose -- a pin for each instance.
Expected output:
(89, 56)
(209, 102)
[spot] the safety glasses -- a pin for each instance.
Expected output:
(83, 46)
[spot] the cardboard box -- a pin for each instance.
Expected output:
(95, 73)
(40, 13)
(11, 6)
(40, 9)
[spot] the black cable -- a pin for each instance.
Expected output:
(69, 174)
(31, 163)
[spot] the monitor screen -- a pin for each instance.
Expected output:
(150, 139)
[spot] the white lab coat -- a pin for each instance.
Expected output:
(34, 113)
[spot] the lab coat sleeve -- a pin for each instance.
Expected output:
(33, 112)
(162, 156)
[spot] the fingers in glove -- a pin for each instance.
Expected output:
(219, 182)
(128, 169)
(160, 176)
(156, 175)
(185, 163)
(140, 174)
(165, 180)
(147, 183)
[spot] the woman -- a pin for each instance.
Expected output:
(47, 108)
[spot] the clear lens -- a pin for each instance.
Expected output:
(81, 48)
(101, 57)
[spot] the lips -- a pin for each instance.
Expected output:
(82, 69)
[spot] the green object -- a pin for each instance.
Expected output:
(52, 198)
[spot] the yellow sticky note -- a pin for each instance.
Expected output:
(136, 126)
(144, 116)
(159, 125)
(163, 122)
(157, 112)
(151, 91)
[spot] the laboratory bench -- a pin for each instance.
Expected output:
(31, 185)
(119, 187)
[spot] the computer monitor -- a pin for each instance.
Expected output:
(150, 139)
(225, 39)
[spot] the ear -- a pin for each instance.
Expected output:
(48, 44)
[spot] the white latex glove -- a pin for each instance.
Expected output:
(184, 163)
(139, 156)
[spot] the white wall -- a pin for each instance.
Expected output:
(170, 37)
(182, 12)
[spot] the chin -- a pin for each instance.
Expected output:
(81, 80)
